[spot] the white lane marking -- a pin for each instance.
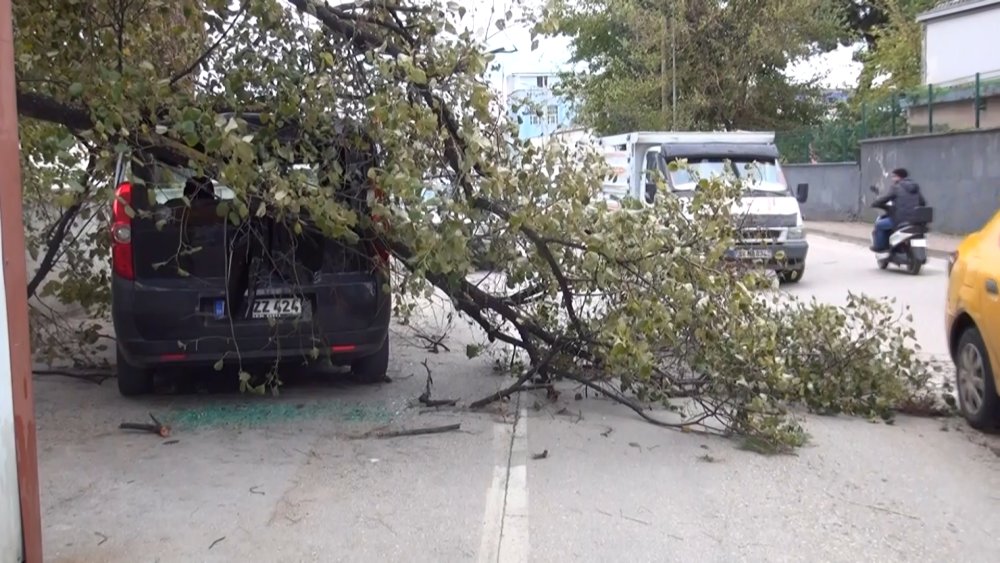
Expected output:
(505, 523)
(489, 547)
(514, 532)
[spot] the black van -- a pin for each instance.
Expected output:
(191, 288)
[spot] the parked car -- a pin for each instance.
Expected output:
(191, 288)
(973, 324)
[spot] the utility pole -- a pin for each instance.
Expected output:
(668, 46)
(673, 70)
(664, 51)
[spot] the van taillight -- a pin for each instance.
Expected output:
(121, 233)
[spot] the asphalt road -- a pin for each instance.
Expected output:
(293, 479)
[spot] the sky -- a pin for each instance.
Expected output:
(553, 53)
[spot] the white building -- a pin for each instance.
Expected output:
(960, 41)
(530, 96)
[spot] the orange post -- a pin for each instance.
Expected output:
(15, 283)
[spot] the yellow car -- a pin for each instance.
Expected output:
(973, 324)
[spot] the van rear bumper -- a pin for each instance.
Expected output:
(786, 256)
(342, 330)
(340, 347)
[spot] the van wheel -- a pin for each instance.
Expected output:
(977, 391)
(133, 381)
(791, 276)
(372, 369)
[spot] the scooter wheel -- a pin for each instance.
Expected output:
(883, 264)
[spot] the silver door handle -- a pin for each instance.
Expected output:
(991, 287)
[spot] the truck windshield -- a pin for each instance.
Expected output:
(758, 174)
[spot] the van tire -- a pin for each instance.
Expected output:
(372, 369)
(132, 381)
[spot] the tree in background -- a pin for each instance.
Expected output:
(729, 59)
(894, 62)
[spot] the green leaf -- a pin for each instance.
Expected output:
(75, 89)
(417, 75)
(472, 351)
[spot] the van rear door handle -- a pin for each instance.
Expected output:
(991, 287)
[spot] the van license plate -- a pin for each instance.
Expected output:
(753, 254)
(276, 308)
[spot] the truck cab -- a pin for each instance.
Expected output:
(769, 221)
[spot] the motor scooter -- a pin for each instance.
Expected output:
(907, 242)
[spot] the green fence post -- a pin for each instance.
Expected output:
(892, 112)
(930, 108)
(979, 100)
(864, 120)
(845, 133)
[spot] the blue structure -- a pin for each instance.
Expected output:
(530, 97)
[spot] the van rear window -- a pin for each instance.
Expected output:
(168, 185)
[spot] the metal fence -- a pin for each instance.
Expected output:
(936, 108)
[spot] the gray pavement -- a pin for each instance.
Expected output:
(286, 479)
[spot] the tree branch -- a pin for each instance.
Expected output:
(208, 52)
(54, 241)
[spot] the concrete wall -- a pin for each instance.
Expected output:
(959, 174)
(834, 189)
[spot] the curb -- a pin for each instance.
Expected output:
(866, 241)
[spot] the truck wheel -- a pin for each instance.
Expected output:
(133, 381)
(372, 369)
(791, 276)
(977, 392)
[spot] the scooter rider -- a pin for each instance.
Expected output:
(905, 197)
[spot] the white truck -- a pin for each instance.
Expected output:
(770, 222)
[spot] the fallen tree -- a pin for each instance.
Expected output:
(635, 305)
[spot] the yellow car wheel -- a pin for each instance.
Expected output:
(977, 392)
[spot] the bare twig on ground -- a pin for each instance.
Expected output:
(872, 507)
(412, 431)
(155, 428)
(96, 377)
(425, 397)
(521, 383)
(216, 542)
(433, 343)
(103, 537)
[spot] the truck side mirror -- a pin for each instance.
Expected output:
(802, 192)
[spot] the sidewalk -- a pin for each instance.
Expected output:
(938, 245)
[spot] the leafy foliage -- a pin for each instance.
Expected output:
(639, 304)
(895, 62)
(729, 62)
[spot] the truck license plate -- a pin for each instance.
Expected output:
(753, 254)
(276, 308)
